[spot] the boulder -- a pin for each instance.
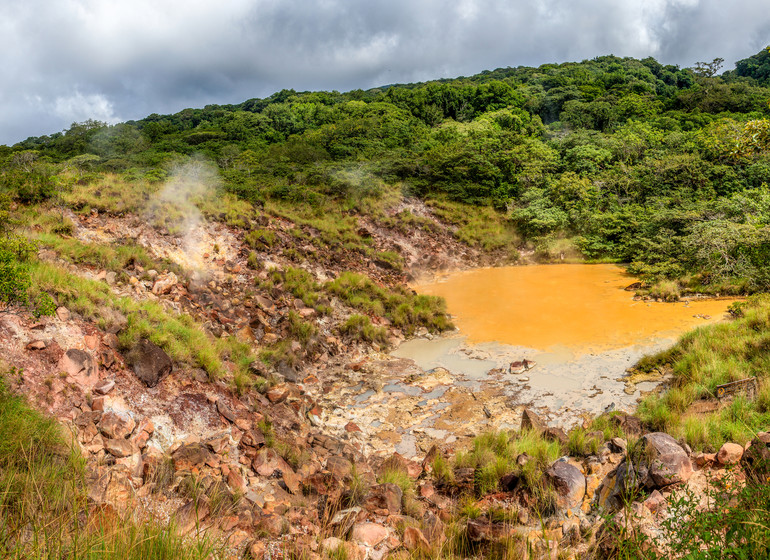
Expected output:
(756, 459)
(80, 367)
(631, 425)
(370, 534)
(415, 541)
(164, 283)
(660, 461)
(116, 424)
(191, 456)
(190, 515)
(384, 496)
(150, 362)
(120, 447)
(569, 483)
(530, 420)
(729, 454)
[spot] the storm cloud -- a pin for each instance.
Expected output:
(66, 61)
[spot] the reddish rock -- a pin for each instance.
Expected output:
(415, 541)
(384, 497)
(117, 425)
(120, 447)
(225, 410)
(729, 454)
(104, 387)
(278, 393)
(36, 345)
(351, 427)
(191, 515)
(92, 341)
(530, 420)
(236, 481)
(655, 501)
(191, 456)
(80, 367)
(569, 483)
(370, 534)
(63, 314)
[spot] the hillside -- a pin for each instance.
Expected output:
(205, 301)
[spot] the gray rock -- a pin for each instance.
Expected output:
(569, 483)
(150, 362)
(660, 461)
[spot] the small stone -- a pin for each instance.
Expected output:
(104, 387)
(63, 314)
(117, 425)
(36, 345)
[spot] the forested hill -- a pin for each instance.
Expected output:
(612, 158)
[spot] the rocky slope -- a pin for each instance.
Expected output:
(339, 449)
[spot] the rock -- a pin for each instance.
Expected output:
(191, 456)
(384, 496)
(339, 467)
(36, 345)
(530, 420)
(331, 544)
(370, 534)
(278, 393)
(267, 462)
(63, 314)
(104, 387)
(620, 482)
(655, 501)
(756, 459)
(631, 425)
(225, 410)
(272, 524)
(191, 514)
(618, 445)
(569, 483)
(483, 530)
(116, 425)
(164, 283)
(150, 362)
(555, 434)
(120, 447)
(80, 367)
(415, 541)
(433, 528)
(729, 454)
(661, 461)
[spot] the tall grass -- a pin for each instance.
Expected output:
(702, 360)
(44, 507)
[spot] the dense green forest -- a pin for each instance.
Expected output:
(612, 159)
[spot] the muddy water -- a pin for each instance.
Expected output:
(576, 322)
(581, 307)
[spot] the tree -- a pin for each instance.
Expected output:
(708, 69)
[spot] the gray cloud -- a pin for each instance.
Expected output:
(69, 61)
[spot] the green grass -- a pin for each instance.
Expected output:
(406, 310)
(179, 335)
(478, 226)
(702, 360)
(493, 454)
(44, 507)
(359, 327)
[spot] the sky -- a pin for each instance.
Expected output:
(65, 61)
